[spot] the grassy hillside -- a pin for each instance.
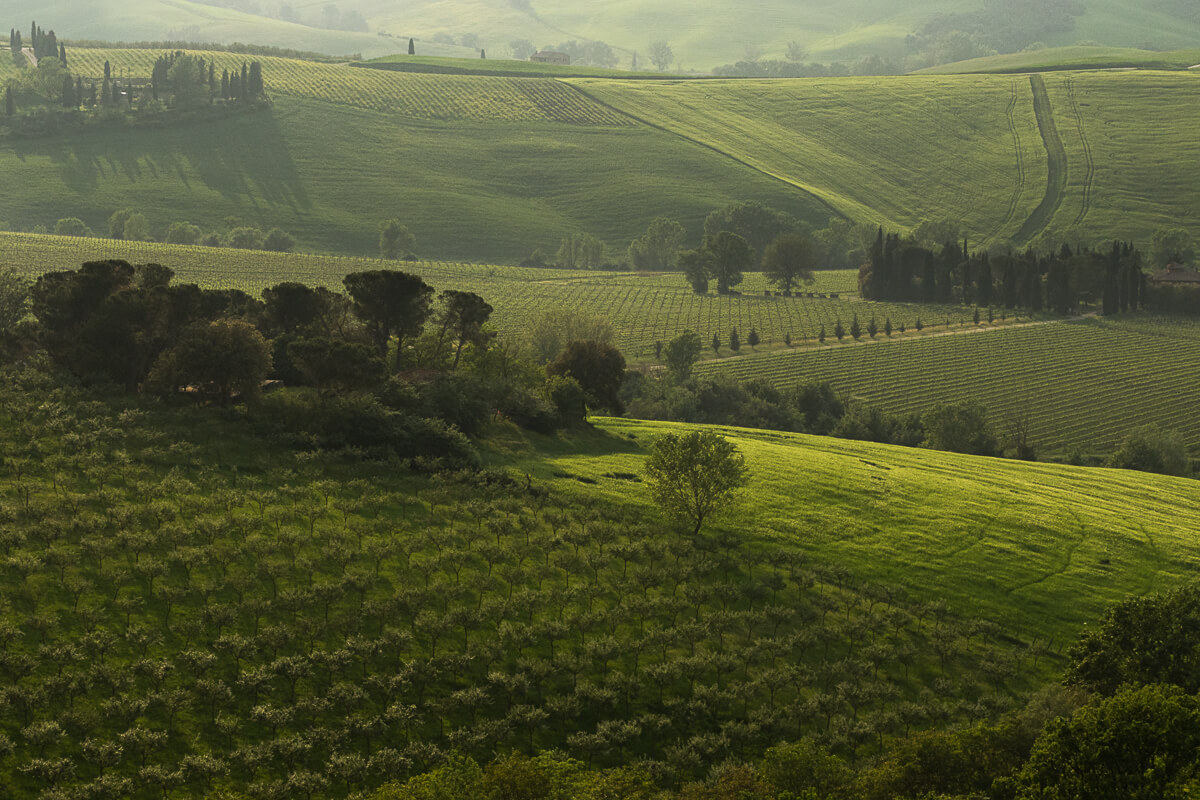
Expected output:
(643, 309)
(1044, 546)
(188, 605)
(721, 32)
(896, 151)
(488, 168)
(1066, 58)
(161, 20)
(1079, 386)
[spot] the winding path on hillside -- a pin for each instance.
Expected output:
(1056, 157)
(766, 173)
(29, 56)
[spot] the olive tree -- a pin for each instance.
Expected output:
(695, 475)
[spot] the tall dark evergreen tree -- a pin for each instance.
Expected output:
(68, 93)
(62, 54)
(225, 84)
(256, 80)
(10, 102)
(412, 47)
(107, 71)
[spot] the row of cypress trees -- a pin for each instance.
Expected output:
(899, 269)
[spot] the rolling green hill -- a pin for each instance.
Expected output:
(163, 20)
(488, 168)
(188, 603)
(1068, 58)
(1046, 546)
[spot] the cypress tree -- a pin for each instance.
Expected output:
(821, 335)
(116, 93)
(78, 91)
(10, 102)
(225, 84)
(107, 71)
(483, 53)
(68, 92)
(256, 79)
(735, 342)
(412, 47)
(716, 342)
(753, 339)
(855, 328)
(62, 54)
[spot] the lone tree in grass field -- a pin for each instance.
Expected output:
(694, 475)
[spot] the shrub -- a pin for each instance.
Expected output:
(71, 226)
(1151, 449)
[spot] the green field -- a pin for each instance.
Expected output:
(643, 308)
(1080, 386)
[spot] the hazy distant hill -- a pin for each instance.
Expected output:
(702, 35)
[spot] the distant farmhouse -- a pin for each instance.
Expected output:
(1175, 275)
(549, 57)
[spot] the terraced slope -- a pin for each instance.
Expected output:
(1080, 386)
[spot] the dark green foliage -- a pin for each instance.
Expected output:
(694, 476)
(696, 267)
(1143, 640)
(855, 328)
(462, 319)
(682, 354)
(789, 260)
(1142, 742)
(659, 247)
(735, 341)
(221, 359)
(753, 222)
(389, 303)
(599, 368)
(752, 338)
(730, 256)
(960, 428)
(335, 366)
(1151, 449)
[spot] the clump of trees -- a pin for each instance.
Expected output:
(133, 226)
(907, 270)
(42, 99)
(388, 355)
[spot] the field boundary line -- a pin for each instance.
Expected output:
(774, 176)
(899, 340)
(1057, 165)
(1010, 114)
(1089, 162)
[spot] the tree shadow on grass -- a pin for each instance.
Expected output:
(244, 158)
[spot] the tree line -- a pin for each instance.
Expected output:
(900, 269)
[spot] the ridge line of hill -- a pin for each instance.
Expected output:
(642, 121)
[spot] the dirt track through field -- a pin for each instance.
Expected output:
(1056, 156)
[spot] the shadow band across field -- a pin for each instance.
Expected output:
(1056, 157)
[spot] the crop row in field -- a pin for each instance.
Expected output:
(1080, 386)
(643, 310)
(420, 96)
